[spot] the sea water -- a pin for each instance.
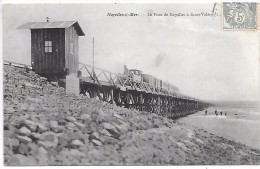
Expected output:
(241, 124)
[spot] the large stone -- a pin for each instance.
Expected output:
(54, 126)
(71, 119)
(105, 132)
(33, 148)
(49, 139)
(112, 130)
(43, 78)
(77, 143)
(123, 128)
(36, 136)
(23, 149)
(71, 126)
(25, 131)
(118, 116)
(76, 153)
(21, 160)
(108, 126)
(85, 118)
(47, 144)
(30, 124)
(98, 115)
(41, 128)
(94, 135)
(96, 142)
(42, 156)
(72, 84)
(63, 139)
(15, 144)
(24, 139)
(80, 125)
(55, 84)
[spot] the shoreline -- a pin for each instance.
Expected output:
(237, 125)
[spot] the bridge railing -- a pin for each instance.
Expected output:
(103, 77)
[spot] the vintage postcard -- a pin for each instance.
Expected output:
(131, 84)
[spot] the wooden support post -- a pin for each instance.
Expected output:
(141, 101)
(112, 96)
(159, 105)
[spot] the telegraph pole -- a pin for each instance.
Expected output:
(93, 53)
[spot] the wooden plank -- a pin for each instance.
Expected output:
(39, 49)
(33, 35)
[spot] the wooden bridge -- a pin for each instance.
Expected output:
(125, 91)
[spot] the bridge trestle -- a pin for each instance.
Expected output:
(167, 106)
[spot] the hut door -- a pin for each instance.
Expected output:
(48, 49)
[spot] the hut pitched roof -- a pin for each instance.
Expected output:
(56, 24)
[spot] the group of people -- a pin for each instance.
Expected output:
(216, 112)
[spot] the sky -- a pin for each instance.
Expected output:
(191, 52)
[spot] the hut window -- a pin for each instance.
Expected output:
(48, 46)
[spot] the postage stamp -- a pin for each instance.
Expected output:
(239, 16)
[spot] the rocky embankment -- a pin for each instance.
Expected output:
(44, 126)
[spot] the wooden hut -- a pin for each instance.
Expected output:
(54, 47)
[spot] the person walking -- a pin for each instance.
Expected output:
(206, 112)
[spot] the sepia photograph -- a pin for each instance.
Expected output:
(131, 84)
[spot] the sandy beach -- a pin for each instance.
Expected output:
(240, 124)
(54, 129)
